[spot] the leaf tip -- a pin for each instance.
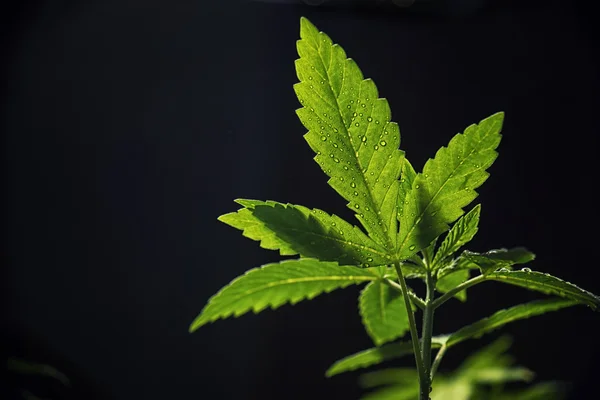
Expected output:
(307, 28)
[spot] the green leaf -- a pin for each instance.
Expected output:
(503, 317)
(452, 280)
(501, 258)
(389, 376)
(383, 312)
(273, 285)
(447, 184)
(294, 229)
(541, 391)
(547, 284)
(461, 233)
(376, 355)
(350, 130)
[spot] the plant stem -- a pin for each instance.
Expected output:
(438, 359)
(427, 334)
(448, 295)
(414, 335)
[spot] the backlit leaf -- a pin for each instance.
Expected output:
(383, 312)
(349, 128)
(447, 184)
(294, 229)
(273, 285)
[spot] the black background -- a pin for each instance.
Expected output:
(130, 126)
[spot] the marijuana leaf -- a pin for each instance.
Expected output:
(447, 184)
(350, 130)
(500, 258)
(452, 280)
(294, 229)
(276, 284)
(503, 317)
(547, 284)
(461, 233)
(383, 312)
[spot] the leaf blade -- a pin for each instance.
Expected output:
(383, 312)
(273, 285)
(294, 229)
(502, 317)
(460, 234)
(447, 184)
(355, 141)
(547, 284)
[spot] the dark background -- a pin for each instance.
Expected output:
(130, 126)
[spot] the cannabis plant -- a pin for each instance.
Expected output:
(402, 214)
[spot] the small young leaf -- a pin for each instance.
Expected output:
(350, 130)
(547, 284)
(294, 229)
(460, 234)
(501, 258)
(452, 280)
(273, 285)
(447, 184)
(503, 317)
(383, 312)
(377, 355)
(370, 357)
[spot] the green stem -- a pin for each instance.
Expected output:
(427, 334)
(415, 299)
(414, 335)
(438, 359)
(448, 295)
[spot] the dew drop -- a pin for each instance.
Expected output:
(310, 78)
(324, 138)
(354, 115)
(341, 179)
(337, 160)
(376, 147)
(353, 184)
(369, 119)
(356, 193)
(364, 139)
(333, 224)
(357, 206)
(335, 145)
(356, 124)
(383, 143)
(503, 270)
(348, 106)
(346, 168)
(412, 247)
(417, 186)
(369, 259)
(526, 269)
(363, 105)
(331, 155)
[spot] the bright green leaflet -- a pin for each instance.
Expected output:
(447, 184)
(450, 281)
(350, 130)
(547, 284)
(460, 234)
(383, 312)
(500, 258)
(391, 351)
(293, 229)
(276, 284)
